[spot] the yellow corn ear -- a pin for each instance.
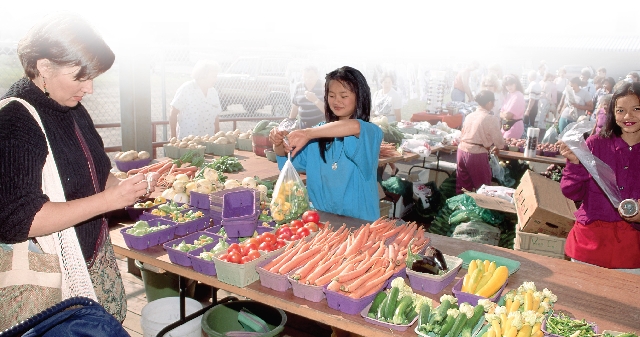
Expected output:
(538, 333)
(525, 331)
(474, 279)
(486, 265)
(536, 327)
(536, 303)
(465, 283)
(473, 265)
(514, 306)
(512, 332)
(492, 267)
(528, 301)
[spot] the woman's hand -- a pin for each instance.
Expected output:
(567, 153)
(277, 139)
(635, 218)
(297, 141)
(128, 191)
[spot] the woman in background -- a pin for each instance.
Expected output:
(307, 104)
(512, 110)
(492, 83)
(531, 97)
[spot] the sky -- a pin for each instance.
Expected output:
(355, 28)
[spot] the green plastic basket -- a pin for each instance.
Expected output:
(244, 144)
(239, 275)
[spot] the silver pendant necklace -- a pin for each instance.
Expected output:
(334, 166)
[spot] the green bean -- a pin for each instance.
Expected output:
(564, 325)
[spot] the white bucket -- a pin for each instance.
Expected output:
(162, 312)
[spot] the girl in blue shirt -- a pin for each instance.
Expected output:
(340, 157)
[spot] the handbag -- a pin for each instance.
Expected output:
(54, 269)
(508, 123)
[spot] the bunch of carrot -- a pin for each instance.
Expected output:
(165, 168)
(356, 264)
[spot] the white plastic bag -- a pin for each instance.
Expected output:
(604, 176)
(421, 147)
(497, 171)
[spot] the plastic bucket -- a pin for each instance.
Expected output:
(161, 285)
(223, 318)
(160, 313)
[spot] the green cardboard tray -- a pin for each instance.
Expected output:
(469, 255)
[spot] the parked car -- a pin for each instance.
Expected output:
(255, 82)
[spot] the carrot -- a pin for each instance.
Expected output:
(378, 223)
(399, 267)
(311, 279)
(344, 277)
(356, 245)
(285, 256)
(298, 259)
(186, 169)
(334, 286)
(374, 290)
(326, 278)
(373, 284)
(391, 233)
(308, 267)
(358, 282)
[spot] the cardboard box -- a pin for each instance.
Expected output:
(541, 244)
(541, 206)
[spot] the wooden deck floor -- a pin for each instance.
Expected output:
(137, 299)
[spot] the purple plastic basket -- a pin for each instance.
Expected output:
(401, 273)
(543, 327)
(199, 200)
(134, 213)
(240, 205)
(149, 240)
(216, 197)
(308, 292)
(271, 280)
(201, 265)
(263, 229)
(180, 257)
(241, 228)
(347, 304)
(188, 227)
(471, 298)
(125, 166)
(434, 284)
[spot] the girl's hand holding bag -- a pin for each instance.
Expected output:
(35, 276)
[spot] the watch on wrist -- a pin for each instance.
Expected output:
(628, 208)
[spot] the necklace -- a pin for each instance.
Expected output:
(334, 166)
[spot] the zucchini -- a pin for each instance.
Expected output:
(440, 313)
(390, 309)
(425, 310)
(383, 305)
(399, 315)
(260, 126)
(376, 303)
(446, 326)
(458, 325)
(478, 311)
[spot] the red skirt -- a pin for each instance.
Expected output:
(611, 245)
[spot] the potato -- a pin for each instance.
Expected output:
(129, 156)
(221, 140)
(117, 155)
(183, 145)
(143, 155)
(220, 134)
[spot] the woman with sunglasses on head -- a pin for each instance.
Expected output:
(601, 235)
(512, 110)
(340, 156)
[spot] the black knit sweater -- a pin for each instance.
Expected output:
(23, 153)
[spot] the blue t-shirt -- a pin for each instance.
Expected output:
(351, 189)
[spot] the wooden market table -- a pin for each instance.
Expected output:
(558, 160)
(435, 153)
(607, 297)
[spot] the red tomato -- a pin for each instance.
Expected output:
(310, 216)
(234, 257)
(266, 247)
(249, 241)
(268, 237)
(234, 247)
(280, 244)
(248, 248)
(284, 229)
(295, 237)
(313, 227)
(254, 254)
(224, 257)
(303, 232)
(284, 237)
(296, 223)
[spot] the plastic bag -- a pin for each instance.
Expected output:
(290, 198)
(477, 231)
(604, 176)
(420, 147)
(551, 136)
(497, 171)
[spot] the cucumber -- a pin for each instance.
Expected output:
(391, 304)
(425, 310)
(383, 305)
(458, 325)
(478, 311)
(440, 313)
(399, 314)
(376, 302)
(446, 326)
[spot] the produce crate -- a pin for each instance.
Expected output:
(471, 298)
(271, 155)
(261, 140)
(171, 151)
(541, 244)
(184, 150)
(434, 284)
(244, 144)
(397, 327)
(188, 227)
(240, 205)
(182, 258)
(149, 240)
(221, 149)
(125, 166)
(543, 327)
(259, 150)
(200, 265)
(308, 292)
(239, 275)
(199, 200)
(135, 213)
(271, 280)
(347, 304)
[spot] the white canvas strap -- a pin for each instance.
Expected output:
(21, 274)
(76, 280)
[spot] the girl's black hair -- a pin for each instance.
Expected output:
(353, 80)
(611, 127)
(512, 79)
(484, 97)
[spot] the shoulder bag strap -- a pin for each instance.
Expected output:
(76, 280)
